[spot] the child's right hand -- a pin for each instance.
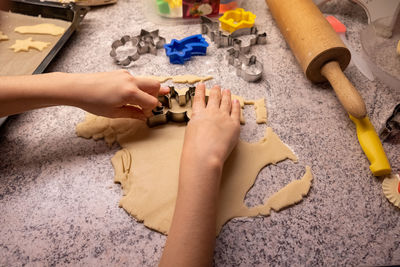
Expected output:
(109, 93)
(213, 129)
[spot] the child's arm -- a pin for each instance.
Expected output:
(210, 136)
(104, 94)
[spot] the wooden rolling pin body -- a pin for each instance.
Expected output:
(315, 43)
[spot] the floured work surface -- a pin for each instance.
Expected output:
(148, 167)
(22, 63)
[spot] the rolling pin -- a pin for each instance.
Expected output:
(318, 49)
(323, 57)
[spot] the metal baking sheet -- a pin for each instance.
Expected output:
(30, 12)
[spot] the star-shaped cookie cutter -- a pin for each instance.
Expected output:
(239, 18)
(145, 42)
(182, 50)
(248, 68)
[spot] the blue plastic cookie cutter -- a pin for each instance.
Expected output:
(180, 51)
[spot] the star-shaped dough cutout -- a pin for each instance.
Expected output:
(3, 37)
(24, 45)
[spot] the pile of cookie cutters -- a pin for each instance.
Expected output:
(248, 68)
(145, 42)
(237, 22)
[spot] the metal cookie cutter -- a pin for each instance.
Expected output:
(211, 29)
(162, 115)
(248, 68)
(145, 42)
(258, 39)
(392, 125)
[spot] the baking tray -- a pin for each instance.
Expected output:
(67, 12)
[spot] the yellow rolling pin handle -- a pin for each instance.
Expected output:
(372, 146)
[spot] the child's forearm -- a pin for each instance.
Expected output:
(111, 94)
(210, 136)
(22, 93)
(192, 234)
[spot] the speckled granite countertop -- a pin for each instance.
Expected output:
(59, 205)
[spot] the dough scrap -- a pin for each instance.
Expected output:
(160, 79)
(289, 195)
(3, 37)
(24, 45)
(191, 79)
(391, 189)
(398, 48)
(188, 78)
(147, 168)
(44, 28)
(260, 109)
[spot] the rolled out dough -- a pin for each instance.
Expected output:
(147, 168)
(24, 45)
(44, 28)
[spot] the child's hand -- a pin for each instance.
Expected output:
(108, 93)
(213, 130)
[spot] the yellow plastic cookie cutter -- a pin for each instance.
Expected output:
(372, 146)
(237, 19)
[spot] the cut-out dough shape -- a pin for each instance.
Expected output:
(3, 37)
(160, 79)
(188, 78)
(391, 189)
(148, 167)
(191, 79)
(398, 48)
(289, 195)
(24, 45)
(260, 109)
(45, 28)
